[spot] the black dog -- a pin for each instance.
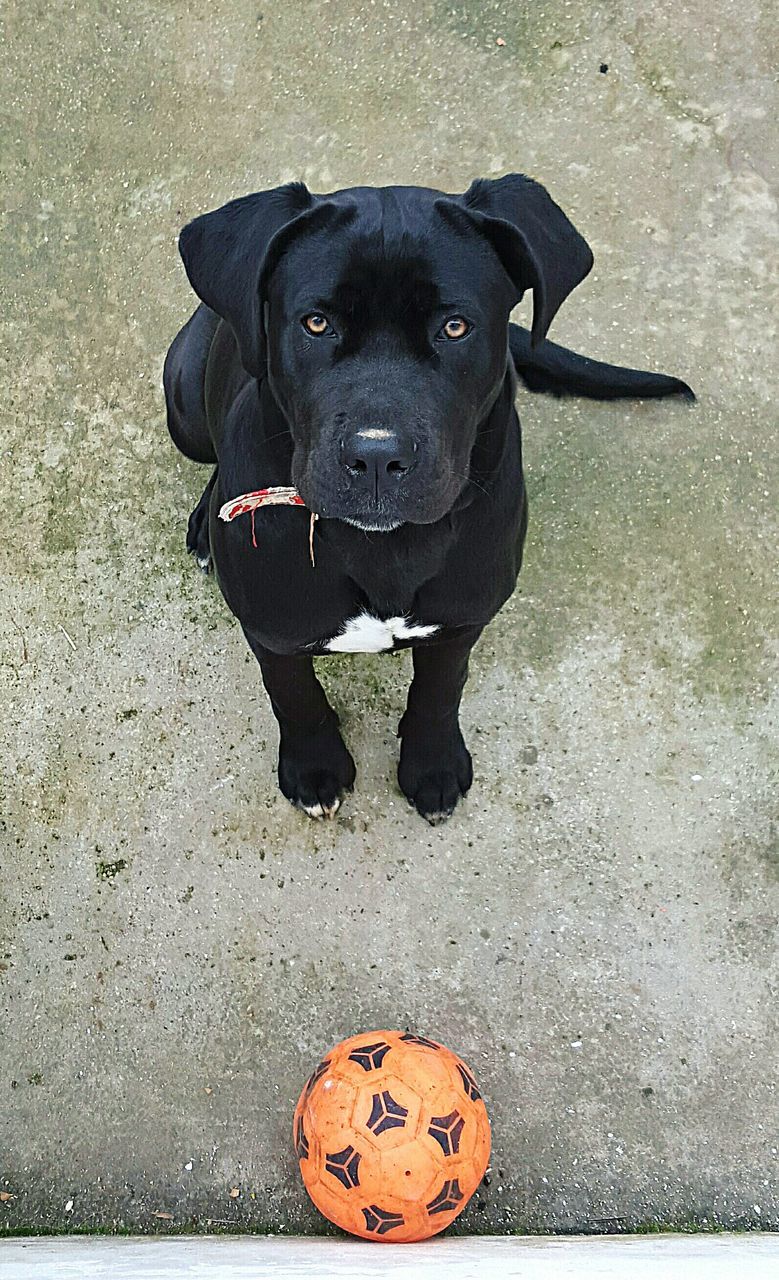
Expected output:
(357, 347)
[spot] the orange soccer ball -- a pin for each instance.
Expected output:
(392, 1136)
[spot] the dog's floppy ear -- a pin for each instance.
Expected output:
(538, 246)
(229, 253)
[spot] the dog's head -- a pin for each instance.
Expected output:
(380, 318)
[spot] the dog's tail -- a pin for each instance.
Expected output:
(561, 372)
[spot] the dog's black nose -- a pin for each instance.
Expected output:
(377, 458)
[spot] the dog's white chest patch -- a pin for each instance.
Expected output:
(367, 634)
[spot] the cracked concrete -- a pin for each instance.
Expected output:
(596, 929)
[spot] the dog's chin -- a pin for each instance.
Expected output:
(385, 526)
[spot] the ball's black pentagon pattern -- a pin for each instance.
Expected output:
(370, 1056)
(386, 1113)
(469, 1084)
(301, 1141)
(446, 1130)
(317, 1074)
(380, 1221)
(448, 1198)
(410, 1038)
(344, 1165)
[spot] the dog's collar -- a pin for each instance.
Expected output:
(277, 495)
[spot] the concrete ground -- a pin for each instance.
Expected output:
(595, 931)
(717, 1257)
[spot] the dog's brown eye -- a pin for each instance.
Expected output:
(455, 327)
(316, 324)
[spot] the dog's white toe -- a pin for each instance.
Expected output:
(322, 810)
(435, 819)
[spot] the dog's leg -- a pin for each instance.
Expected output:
(435, 766)
(183, 378)
(315, 769)
(198, 541)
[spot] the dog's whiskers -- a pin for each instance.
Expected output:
(469, 479)
(275, 436)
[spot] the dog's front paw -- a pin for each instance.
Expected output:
(435, 770)
(315, 771)
(198, 541)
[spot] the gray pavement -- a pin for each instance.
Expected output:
(469, 1258)
(596, 929)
